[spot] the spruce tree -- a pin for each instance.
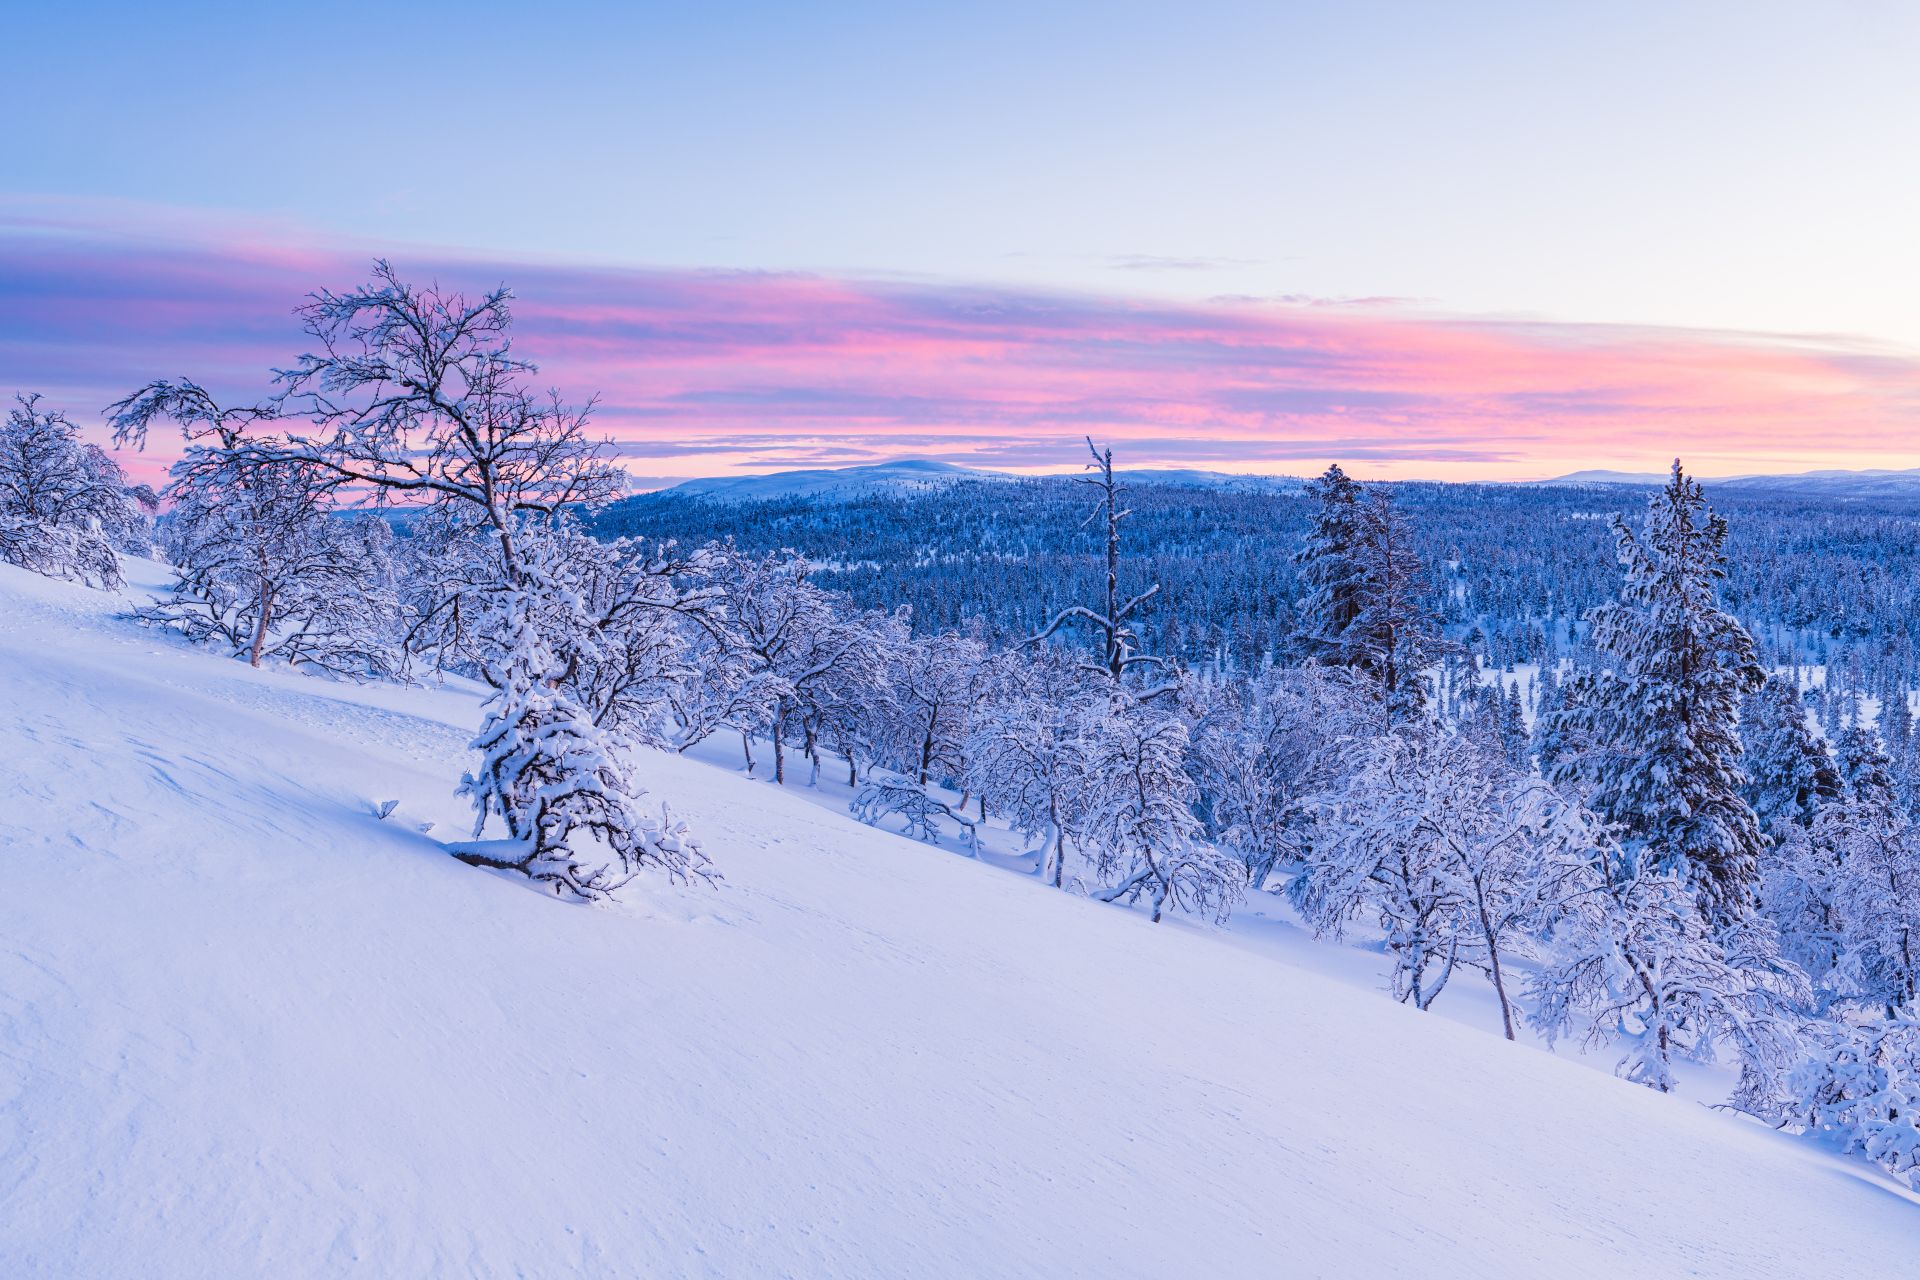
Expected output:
(1654, 727)
(1366, 607)
(1331, 570)
(1790, 772)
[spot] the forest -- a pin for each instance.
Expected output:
(1696, 819)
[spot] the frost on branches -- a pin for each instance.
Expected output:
(1139, 828)
(546, 775)
(65, 506)
(1458, 857)
(1860, 1087)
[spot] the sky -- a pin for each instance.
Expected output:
(1457, 241)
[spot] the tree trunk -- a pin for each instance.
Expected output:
(779, 752)
(1493, 970)
(1500, 988)
(260, 626)
(746, 746)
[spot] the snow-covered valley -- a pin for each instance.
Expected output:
(248, 1028)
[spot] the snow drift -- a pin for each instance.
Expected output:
(249, 1027)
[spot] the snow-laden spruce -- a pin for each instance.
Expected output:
(1649, 735)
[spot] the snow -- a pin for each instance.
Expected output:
(835, 484)
(246, 1028)
(918, 475)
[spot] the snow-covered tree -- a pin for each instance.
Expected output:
(1860, 1085)
(415, 396)
(1798, 887)
(638, 605)
(545, 772)
(932, 679)
(1636, 958)
(884, 793)
(1367, 604)
(1138, 823)
(1869, 847)
(1332, 569)
(1459, 858)
(1790, 773)
(444, 566)
(1025, 754)
(1261, 750)
(65, 506)
(264, 568)
(1649, 738)
(848, 708)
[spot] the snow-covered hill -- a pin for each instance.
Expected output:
(907, 475)
(1829, 484)
(246, 1028)
(919, 475)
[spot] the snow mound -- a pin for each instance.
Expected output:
(247, 1027)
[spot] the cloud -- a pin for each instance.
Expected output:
(703, 371)
(1157, 262)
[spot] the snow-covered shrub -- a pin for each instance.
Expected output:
(65, 506)
(1138, 823)
(545, 773)
(886, 794)
(1637, 959)
(1860, 1085)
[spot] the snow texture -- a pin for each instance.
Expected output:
(248, 1028)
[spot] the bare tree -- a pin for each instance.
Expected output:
(1113, 625)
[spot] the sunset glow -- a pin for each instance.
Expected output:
(702, 373)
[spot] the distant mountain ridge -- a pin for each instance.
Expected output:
(918, 475)
(1867, 483)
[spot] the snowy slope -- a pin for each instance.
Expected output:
(247, 1029)
(835, 484)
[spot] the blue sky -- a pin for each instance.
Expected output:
(1745, 168)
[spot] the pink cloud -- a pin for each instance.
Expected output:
(711, 371)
